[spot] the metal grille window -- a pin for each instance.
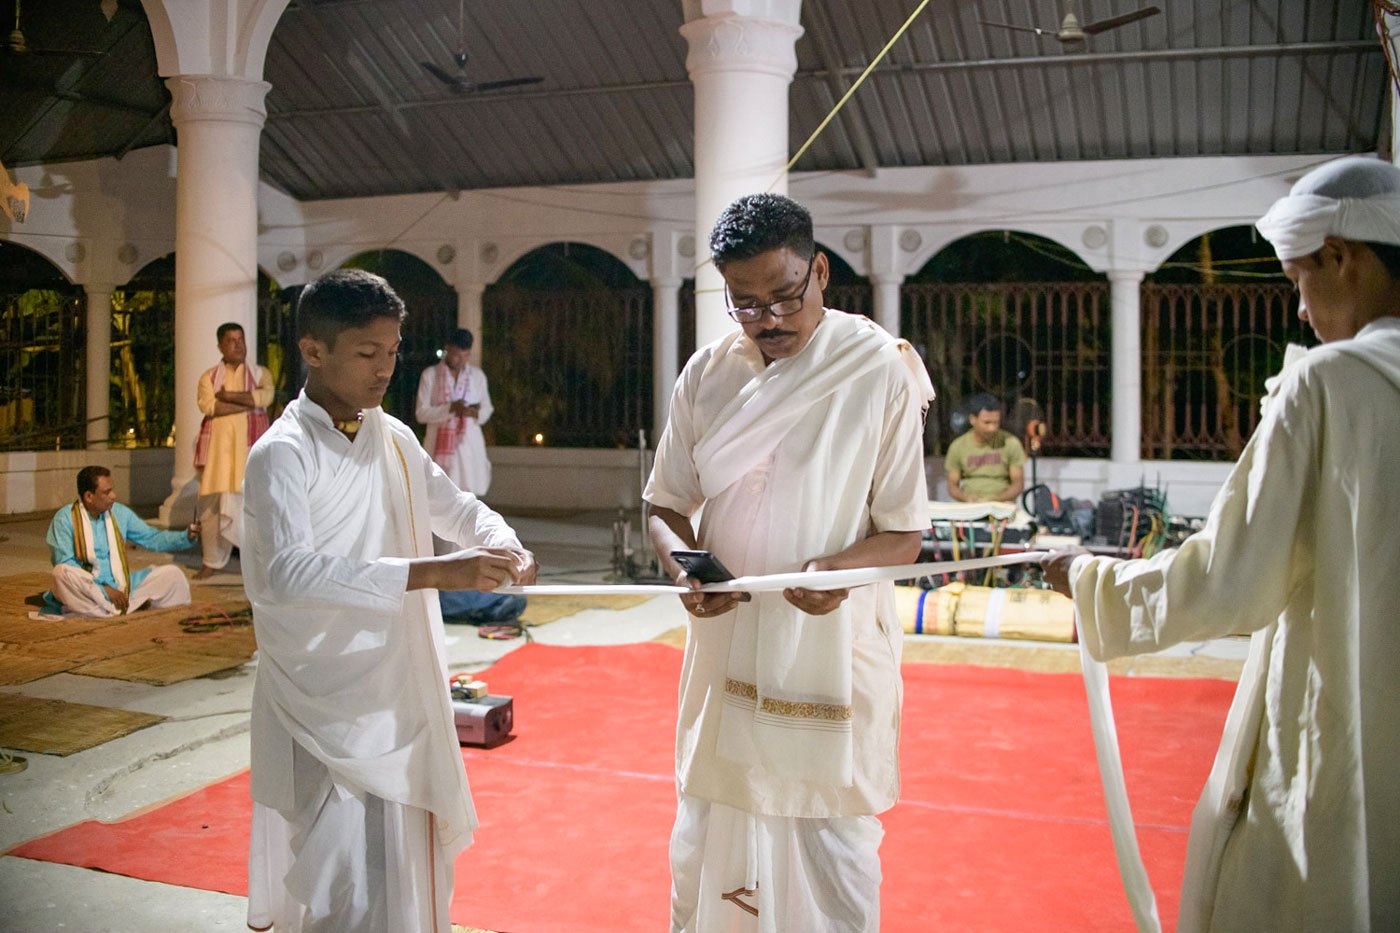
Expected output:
(142, 400)
(41, 369)
(1044, 341)
(857, 299)
(1206, 351)
(572, 366)
(277, 343)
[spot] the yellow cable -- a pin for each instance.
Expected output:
(832, 114)
(849, 91)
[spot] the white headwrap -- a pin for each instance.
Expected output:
(1353, 198)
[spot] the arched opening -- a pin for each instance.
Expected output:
(432, 315)
(1216, 317)
(567, 332)
(847, 290)
(142, 397)
(1023, 318)
(143, 389)
(41, 356)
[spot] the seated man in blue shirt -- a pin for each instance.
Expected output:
(87, 540)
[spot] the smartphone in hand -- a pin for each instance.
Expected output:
(703, 566)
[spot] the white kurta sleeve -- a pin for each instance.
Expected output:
(424, 409)
(459, 516)
(899, 492)
(294, 573)
(1236, 574)
(482, 397)
(675, 481)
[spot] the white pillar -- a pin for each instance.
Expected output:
(665, 346)
(99, 363)
(1392, 35)
(219, 120)
(741, 66)
(469, 313)
(1125, 292)
(887, 301)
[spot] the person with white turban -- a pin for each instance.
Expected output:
(1298, 827)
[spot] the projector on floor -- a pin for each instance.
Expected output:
(483, 721)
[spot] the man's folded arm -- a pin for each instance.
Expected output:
(461, 517)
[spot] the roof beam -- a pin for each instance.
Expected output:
(1289, 50)
(1038, 61)
(854, 117)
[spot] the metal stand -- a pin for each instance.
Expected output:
(639, 564)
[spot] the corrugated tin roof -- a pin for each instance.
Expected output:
(353, 112)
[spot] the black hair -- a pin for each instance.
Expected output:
(758, 223)
(343, 299)
(981, 402)
(1388, 254)
(461, 338)
(226, 327)
(87, 479)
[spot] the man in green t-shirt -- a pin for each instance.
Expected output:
(986, 464)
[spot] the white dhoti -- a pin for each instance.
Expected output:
(221, 526)
(82, 595)
(734, 872)
(345, 863)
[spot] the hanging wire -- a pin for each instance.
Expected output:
(831, 115)
(1382, 9)
(879, 57)
(1036, 247)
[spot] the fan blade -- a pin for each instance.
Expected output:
(508, 82)
(1104, 25)
(445, 77)
(1038, 32)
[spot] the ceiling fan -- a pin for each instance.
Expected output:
(459, 83)
(18, 44)
(1072, 33)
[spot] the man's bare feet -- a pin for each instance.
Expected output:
(205, 572)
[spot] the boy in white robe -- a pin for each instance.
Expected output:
(1298, 827)
(801, 435)
(360, 797)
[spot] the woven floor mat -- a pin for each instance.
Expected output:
(55, 727)
(161, 647)
(541, 610)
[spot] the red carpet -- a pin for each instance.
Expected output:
(1001, 826)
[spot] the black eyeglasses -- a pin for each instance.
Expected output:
(781, 308)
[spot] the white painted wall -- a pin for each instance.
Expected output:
(44, 481)
(1105, 211)
(100, 221)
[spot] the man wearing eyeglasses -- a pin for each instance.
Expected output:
(801, 436)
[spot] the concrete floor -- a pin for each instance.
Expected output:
(205, 739)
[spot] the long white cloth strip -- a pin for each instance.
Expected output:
(1115, 792)
(814, 580)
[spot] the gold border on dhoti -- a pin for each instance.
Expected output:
(793, 709)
